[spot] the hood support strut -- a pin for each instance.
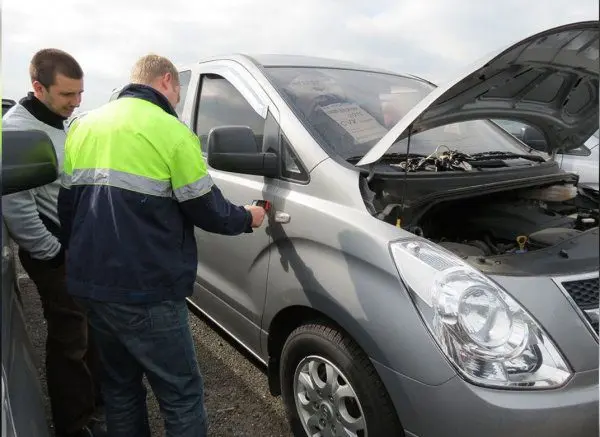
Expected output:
(399, 223)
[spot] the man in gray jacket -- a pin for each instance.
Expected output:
(32, 220)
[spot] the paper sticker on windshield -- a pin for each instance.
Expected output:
(453, 128)
(312, 84)
(361, 125)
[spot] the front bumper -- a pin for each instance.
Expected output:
(459, 409)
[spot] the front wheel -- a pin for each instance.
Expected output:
(331, 389)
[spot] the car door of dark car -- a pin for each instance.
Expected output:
(23, 411)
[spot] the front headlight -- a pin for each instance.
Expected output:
(488, 336)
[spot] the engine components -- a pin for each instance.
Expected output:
(451, 160)
(551, 236)
(462, 250)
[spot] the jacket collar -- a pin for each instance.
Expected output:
(149, 94)
(41, 112)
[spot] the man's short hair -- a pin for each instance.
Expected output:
(46, 64)
(150, 67)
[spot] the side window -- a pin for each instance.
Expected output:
(221, 104)
(184, 81)
(291, 167)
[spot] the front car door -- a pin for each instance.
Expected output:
(232, 271)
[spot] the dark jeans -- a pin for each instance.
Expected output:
(155, 340)
(72, 364)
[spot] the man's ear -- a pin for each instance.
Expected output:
(38, 87)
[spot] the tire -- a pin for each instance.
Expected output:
(322, 347)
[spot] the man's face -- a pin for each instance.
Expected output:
(63, 96)
(171, 89)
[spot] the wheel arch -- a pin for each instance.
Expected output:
(283, 324)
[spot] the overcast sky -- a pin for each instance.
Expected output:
(432, 38)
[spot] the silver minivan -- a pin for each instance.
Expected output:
(421, 273)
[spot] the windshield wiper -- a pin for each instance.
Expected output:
(389, 157)
(451, 160)
(498, 154)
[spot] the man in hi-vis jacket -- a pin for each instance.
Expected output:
(135, 185)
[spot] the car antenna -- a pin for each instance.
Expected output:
(402, 204)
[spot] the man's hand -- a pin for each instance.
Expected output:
(258, 214)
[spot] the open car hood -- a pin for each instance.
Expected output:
(548, 80)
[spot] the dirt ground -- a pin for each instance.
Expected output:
(237, 397)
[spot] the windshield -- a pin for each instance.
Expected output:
(349, 111)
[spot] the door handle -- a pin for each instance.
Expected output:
(282, 217)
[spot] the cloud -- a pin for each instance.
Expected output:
(431, 39)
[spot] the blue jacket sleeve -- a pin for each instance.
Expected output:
(213, 213)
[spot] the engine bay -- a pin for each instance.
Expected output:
(505, 223)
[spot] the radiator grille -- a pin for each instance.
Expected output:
(585, 293)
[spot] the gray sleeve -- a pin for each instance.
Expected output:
(21, 217)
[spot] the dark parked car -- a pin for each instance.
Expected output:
(28, 161)
(6, 105)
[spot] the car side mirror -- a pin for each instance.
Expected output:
(234, 149)
(28, 160)
(534, 138)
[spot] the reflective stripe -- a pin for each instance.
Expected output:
(195, 189)
(119, 179)
(65, 180)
